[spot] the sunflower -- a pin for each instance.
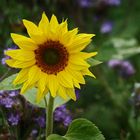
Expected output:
(51, 58)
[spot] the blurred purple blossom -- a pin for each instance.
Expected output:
(14, 119)
(34, 132)
(106, 27)
(6, 102)
(124, 68)
(85, 3)
(77, 94)
(63, 115)
(114, 63)
(3, 60)
(67, 120)
(13, 93)
(112, 2)
(6, 98)
(41, 121)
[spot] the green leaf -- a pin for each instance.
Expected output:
(93, 62)
(80, 129)
(125, 48)
(30, 95)
(118, 48)
(7, 83)
(56, 137)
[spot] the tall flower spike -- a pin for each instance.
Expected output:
(51, 55)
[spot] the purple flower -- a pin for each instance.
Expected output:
(6, 98)
(41, 121)
(6, 102)
(106, 27)
(77, 93)
(34, 132)
(127, 69)
(114, 63)
(14, 119)
(3, 60)
(62, 115)
(85, 3)
(124, 68)
(67, 120)
(112, 2)
(13, 93)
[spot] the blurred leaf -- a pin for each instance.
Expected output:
(30, 95)
(106, 52)
(7, 83)
(118, 48)
(120, 42)
(125, 47)
(80, 129)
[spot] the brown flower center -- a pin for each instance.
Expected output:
(51, 57)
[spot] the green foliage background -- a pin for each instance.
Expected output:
(105, 100)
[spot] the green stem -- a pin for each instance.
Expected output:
(49, 117)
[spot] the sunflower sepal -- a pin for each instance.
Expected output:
(93, 62)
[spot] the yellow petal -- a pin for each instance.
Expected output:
(21, 77)
(34, 74)
(10, 62)
(65, 79)
(26, 86)
(71, 93)
(44, 24)
(20, 64)
(80, 42)
(76, 67)
(87, 72)
(24, 42)
(78, 61)
(42, 81)
(40, 95)
(64, 27)
(62, 92)
(34, 32)
(74, 31)
(22, 55)
(76, 83)
(12, 53)
(76, 75)
(67, 38)
(85, 36)
(53, 84)
(53, 22)
(85, 55)
(60, 31)
(33, 77)
(79, 46)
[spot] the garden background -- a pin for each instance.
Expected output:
(112, 100)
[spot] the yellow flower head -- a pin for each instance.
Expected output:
(51, 58)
